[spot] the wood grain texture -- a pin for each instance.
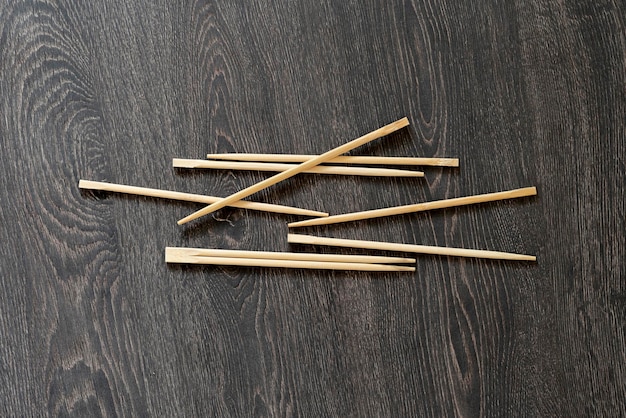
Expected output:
(94, 323)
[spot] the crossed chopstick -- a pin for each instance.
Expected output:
(311, 164)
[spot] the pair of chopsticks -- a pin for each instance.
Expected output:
(285, 259)
(280, 162)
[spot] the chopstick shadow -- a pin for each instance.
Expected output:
(146, 201)
(277, 273)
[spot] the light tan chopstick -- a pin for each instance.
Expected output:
(419, 207)
(320, 169)
(343, 159)
(276, 255)
(171, 256)
(410, 248)
(385, 130)
(189, 197)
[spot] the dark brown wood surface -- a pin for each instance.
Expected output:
(524, 92)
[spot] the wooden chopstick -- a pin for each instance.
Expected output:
(171, 256)
(419, 207)
(385, 130)
(275, 255)
(343, 159)
(189, 197)
(320, 169)
(422, 249)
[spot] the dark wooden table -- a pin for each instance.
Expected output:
(525, 92)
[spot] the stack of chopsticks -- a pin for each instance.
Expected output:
(290, 165)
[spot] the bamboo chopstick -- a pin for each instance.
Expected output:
(344, 159)
(189, 197)
(422, 249)
(385, 130)
(419, 207)
(320, 169)
(275, 255)
(171, 256)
